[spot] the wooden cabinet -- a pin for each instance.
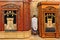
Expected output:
(15, 15)
(48, 17)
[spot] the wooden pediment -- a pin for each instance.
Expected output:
(49, 8)
(10, 6)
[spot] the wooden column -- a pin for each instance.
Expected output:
(20, 18)
(26, 16)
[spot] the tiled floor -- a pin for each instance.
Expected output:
(36, 37)
(25, 35)
(19, 34)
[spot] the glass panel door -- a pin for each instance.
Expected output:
(10, 20)
(49, 22)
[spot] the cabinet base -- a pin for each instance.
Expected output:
(17, 34)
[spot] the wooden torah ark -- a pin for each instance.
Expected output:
(22, 10)
(49, 19)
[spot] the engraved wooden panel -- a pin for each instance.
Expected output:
(13, 6)
(20, 18)
(58, 18)
(40, 20)
(22, 8)
(48, 7)
(50, 35)
(1, 21)
(26, 16)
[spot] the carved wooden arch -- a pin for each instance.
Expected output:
(49, 8)
(10, 6)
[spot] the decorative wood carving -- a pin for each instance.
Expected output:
(22, 8)
(10, 6)
(49, 8)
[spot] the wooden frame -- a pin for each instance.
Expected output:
(23, 13)
(48, 7)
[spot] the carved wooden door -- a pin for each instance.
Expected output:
(48, 21)
(22, 12)
(10, 16)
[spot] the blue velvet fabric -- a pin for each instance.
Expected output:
(50, 30)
